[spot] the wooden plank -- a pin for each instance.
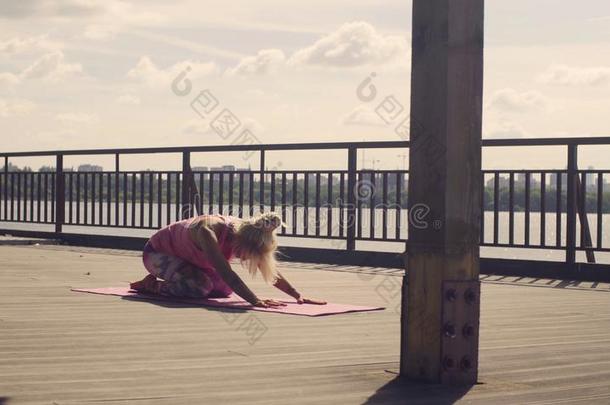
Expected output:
(65, 347)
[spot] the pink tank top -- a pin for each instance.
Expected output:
(175, 239)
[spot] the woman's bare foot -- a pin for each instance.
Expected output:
(147, 284)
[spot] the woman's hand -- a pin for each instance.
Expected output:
(302, 300)
(269, 303)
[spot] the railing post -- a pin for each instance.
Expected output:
(6, 188)
(60, 194)
(581, 209)
(352, 163)
(117, 171)
(261, 194)
(186, 185)
(572, 178)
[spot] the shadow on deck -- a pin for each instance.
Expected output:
(400, 390)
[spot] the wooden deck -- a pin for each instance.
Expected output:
(542, 342)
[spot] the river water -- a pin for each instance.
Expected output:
(326, 216)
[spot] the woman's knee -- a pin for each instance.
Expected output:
(202, 284)
(160, 264)
(149, 264)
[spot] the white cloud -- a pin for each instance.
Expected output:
(253, 126)
(504, 129)
(101, 32)
(265, 61)
(18, 9)
(134, 14)
(19, 45)
(353, 44)
(362, 116)
(77, 118)
(116, 10)
(51, 67)
(147, 72)
(198, 127)
(576, 76)
(512, 100)
(599, 19)
(128, 99)
(16, 107)
(202, 127)
(254, 93)
(8, 79)
(190, 45)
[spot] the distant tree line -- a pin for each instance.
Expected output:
(146, 186)
(535, 199)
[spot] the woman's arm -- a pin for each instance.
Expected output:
(282, 284)
(205, 239)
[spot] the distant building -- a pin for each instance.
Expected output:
(224, 168)
(90, 168)
(200, 169)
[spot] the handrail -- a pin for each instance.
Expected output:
(593, 140)
(599, 140)
(220, 148)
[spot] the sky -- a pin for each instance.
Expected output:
(97, 74)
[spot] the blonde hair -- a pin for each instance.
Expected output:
(256, 244)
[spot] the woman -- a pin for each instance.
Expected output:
(191, 257)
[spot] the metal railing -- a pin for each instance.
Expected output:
(347, 205)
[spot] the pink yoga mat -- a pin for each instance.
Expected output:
(237, 303)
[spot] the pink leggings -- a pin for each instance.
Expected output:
(180, 277)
